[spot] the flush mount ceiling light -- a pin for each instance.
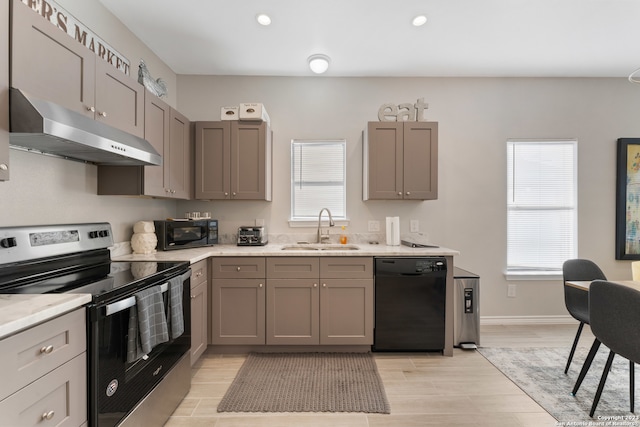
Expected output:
(419, 20)
(318, 63)
(263, 19)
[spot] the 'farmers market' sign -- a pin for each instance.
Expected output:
(62, 19)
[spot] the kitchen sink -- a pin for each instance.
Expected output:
(320, 247)
(338, 248)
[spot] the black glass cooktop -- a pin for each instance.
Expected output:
(103, 281)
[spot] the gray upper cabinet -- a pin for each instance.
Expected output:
(48, 64)
(170, 133)
(233, 161)
(400, 161)
(4, 92)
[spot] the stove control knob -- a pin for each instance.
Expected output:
(103, 233)
(93, 234)
(9, 242)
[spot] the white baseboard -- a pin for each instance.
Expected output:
(527, 320)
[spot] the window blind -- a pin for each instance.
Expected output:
(318, 179)
(541, 204)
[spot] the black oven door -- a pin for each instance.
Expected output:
(116, 385)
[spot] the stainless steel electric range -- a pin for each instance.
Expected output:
(126, 384)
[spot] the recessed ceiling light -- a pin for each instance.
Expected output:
(318, 63)
(419, 20)
(263, 19)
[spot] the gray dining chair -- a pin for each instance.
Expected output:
(614, 316)
(576, 300)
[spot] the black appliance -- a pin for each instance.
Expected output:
(410, 304)
(188, 233)
(75, 259)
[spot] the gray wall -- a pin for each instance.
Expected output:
(476, 117)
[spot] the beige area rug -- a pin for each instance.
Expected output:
(307, 382)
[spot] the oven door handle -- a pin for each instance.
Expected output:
(129, 302)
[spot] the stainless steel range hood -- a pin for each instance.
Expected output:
(50, 128)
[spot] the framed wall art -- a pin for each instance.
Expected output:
(628, 199)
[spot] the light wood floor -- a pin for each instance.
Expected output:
(423, 389)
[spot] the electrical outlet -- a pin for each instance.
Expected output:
(415, 225)
(374, 225)
(511, 290)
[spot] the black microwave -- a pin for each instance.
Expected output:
(186, 234)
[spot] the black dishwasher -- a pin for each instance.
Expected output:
(410, 304)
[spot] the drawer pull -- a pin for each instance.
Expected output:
(48, 415)
(260, 285)
(46, 350)
(238, 268)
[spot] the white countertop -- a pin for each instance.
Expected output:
(273, 249)
(18, 312)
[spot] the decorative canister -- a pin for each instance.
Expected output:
(144, 239)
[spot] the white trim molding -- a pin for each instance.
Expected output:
(527, 320)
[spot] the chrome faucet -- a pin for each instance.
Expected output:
(321, 236)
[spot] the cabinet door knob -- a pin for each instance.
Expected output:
(103, 114)
(315, 285)
(226, 194)
(399, 193)
(238, 268)
(3, 167)
(92, 109)
(260, 285)
(193, 297)
(47, 349)
(408, 193)
(234, 194)
(48, 415)
(324, 285)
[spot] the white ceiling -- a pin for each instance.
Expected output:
(375, 37)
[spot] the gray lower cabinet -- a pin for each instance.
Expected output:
(237, 301)
(199, 304)
(293, 301)
(319, 300)
(44, 374)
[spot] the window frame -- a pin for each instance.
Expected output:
(548, 273)
(312, 220)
